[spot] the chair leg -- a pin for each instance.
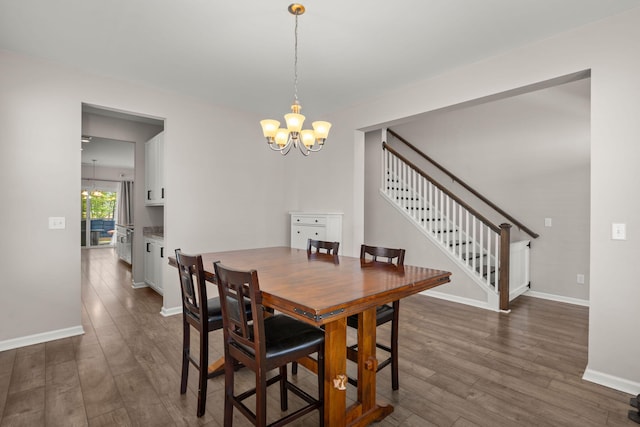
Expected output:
(395, 384)
(321, 385)
(294, 368)
(203, 372)
(229, 369)
(186, 342)
(261, 398)
(284, 399)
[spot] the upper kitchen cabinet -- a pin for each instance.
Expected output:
(154, 170)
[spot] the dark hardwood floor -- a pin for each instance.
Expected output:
(459, 366)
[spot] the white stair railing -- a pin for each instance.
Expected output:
(465, 236)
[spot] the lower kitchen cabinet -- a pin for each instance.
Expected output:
(153, 262)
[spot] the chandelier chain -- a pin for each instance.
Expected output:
(295, 63)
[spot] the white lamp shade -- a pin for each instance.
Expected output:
(294, 121)
(269, 128)
(282, 136)
(321, 129)
(307, 137)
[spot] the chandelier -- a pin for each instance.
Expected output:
(94, 192)
(282, 139)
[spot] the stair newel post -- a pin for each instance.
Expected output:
(503, 287)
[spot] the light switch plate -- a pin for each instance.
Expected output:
(619, 231)
(548, 222)
(57, 223)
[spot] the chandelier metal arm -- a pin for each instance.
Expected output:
(304, 150)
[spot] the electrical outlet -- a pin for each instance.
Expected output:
(580, 279)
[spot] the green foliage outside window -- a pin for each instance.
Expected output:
(103, 205)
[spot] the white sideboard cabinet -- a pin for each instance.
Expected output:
(316, 226)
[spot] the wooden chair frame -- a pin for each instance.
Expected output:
(331, 248)
(195, 308)
(246, 343)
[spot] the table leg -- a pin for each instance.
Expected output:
(335, 356)
(366, 410)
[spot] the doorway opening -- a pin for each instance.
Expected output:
(98, 224)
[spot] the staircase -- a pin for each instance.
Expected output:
(481, 249)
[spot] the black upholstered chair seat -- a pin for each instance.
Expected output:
(384, 314)
(285, 335)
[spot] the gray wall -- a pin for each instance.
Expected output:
(529, 154)
(216, 154)
(213, 155)
(608, 49)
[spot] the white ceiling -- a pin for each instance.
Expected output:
(240, 53)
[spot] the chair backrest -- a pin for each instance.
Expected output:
(319, 245)
(192, 286)
(391, 256)
(236, 289)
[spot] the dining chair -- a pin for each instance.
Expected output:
(262, 345)
(384, 313)
(195, 307)
(318, 246)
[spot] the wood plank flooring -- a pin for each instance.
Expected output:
(459, 366)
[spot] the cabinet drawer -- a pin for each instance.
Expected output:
(308, 220)
(306, 232)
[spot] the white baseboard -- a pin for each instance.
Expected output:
(515, 293)
(617, 383)
(458, 299)
(558, 298)
(40, 338)
(138, 285)
(166, 312)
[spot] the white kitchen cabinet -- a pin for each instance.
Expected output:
(316, 226)
(154, 259)
(154, 170)
(124, 238)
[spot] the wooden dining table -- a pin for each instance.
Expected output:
(324, 290)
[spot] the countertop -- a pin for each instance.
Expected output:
(155, 232)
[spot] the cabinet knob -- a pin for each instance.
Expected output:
(316, 220)
(298, 232)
